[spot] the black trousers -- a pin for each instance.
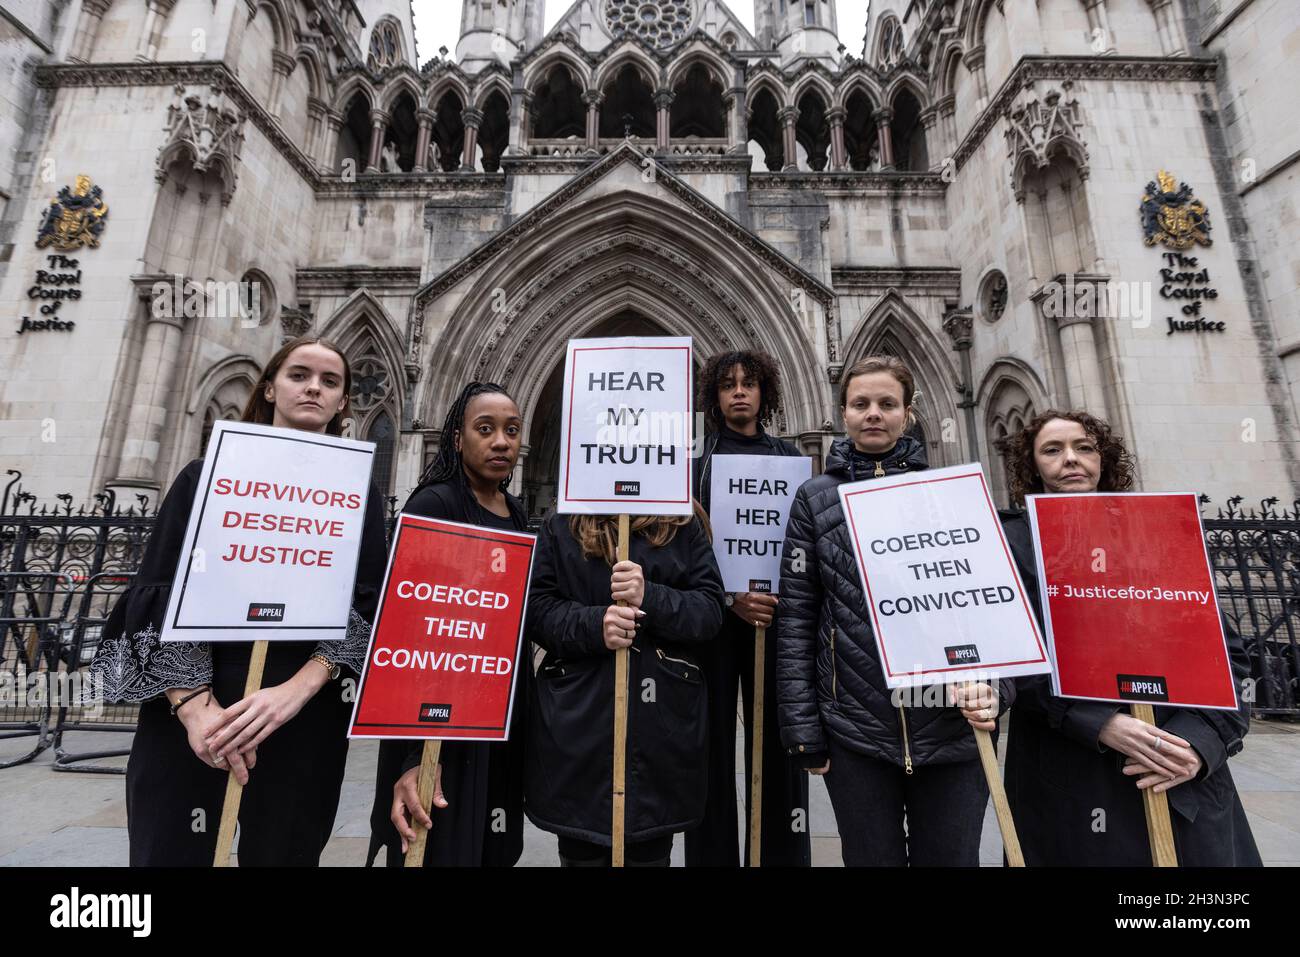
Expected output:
(943, 805)
(728, 663)
(652, 853)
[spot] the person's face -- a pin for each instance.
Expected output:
(1067, 457)
(739, 396)
(307, 391)
(874, 413)
(489, 441)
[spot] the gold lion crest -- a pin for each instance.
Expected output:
(75, 218)
(1171, 216)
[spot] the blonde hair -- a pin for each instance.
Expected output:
(598, 534)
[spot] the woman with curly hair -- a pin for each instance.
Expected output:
(1075, 769)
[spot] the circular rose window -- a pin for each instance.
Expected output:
(658, 22)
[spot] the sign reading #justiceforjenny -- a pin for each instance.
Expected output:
(274, 536)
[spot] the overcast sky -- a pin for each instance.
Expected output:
(437, 22)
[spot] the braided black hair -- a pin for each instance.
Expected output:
(449, 465)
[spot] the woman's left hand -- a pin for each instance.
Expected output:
(249, 721)
(626, 584)
(978, 703)
(1160, 781)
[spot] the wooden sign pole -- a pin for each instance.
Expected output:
(756, 757)
(620, 719)
(235, 790)
(428, 766)
(989, 759)
(1160, 829)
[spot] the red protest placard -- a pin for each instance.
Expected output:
(1129, 600)
(447, 635)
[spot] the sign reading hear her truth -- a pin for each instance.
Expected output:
(627, 434)
(945, 598)
(1129, 600)
(749, 501)
(273, 539)
(445, 646)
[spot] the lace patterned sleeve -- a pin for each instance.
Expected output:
(131, 664)
(351, 651)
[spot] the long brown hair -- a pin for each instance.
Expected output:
(598, 534)
(1018, 455)
(258, 410)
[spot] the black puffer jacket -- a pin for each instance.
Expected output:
(829, 679)
(569, 763)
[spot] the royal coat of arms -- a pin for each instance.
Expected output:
(1171, 216)
(75, 218)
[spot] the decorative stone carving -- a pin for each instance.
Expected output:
(207, 129)
(1038, 125)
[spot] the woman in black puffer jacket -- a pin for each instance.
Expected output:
(882, 762)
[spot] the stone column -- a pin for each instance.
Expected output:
(974, 60)
(663, 118)
(948, 117)
(472, 119)
(156, 12)
(1099, 26)
(738, 114)
(1074, 307)
(333, 127)
(789, 143)
(883, 117)
(155, 377)
(424, 117)
(315, 124)
(92, 14)
(281, 66)
(839, 154)
(933, 148)
(378, 124)
(593, 99)
(1171, 39)
(959, 325)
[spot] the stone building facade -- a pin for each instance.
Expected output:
(990, 191)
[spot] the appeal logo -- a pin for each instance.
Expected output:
(435, 713)
(1143, 687)
(962, 654)
(627, 488)
(260, 612)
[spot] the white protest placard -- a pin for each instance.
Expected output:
(274, 537)
(749, 502)
(626, 445)
(946, 601)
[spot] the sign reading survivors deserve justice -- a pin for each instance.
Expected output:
(946, 601)
(447, 635)
(749, 497)
(1129, 600)
(273, 539)
(626, 443)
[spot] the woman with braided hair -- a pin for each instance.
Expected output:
(477, 816)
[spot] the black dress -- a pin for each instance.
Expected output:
(1072, 803)
(174, 800)
(483, 823)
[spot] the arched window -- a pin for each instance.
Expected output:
(374, 402)
(890, 49)
(385, 45)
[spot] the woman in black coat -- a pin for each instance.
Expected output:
(478, 785)
(1075, 769)
(883, 761)
(287, 742)
(674, 602)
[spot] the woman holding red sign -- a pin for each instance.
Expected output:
(1075, 769)
(287, 742)
(477, 819)
(884, 760)
(672, 598)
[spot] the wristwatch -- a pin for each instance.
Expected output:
(730, 599)
(333, 669)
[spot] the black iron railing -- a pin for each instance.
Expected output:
(62, 569)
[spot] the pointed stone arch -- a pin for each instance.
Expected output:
(893, 327)
(1010, 394)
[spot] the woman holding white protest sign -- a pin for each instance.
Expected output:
(287, 742)
(884, 758)
(1075, 769)
(582, 607)
(477, 817)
